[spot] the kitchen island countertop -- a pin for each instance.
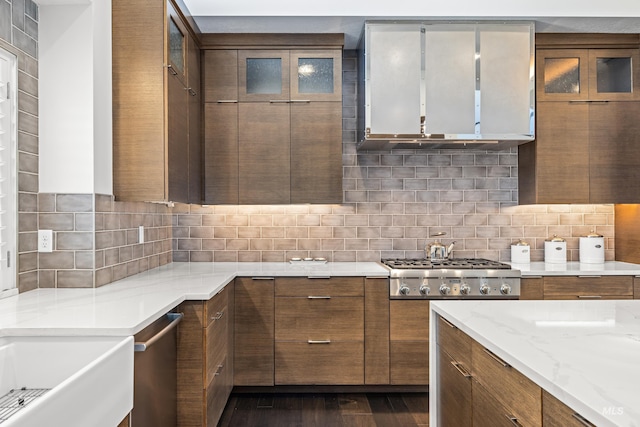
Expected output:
(585, 353)
(129, 305)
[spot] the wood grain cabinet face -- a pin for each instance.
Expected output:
(587, 138)
(605, 287)
(409, 342)
(205, 355)
(273, 126)
(557, 414)
(156, 106)
(319, 331)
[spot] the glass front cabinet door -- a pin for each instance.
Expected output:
(290, 75)
(588, 75)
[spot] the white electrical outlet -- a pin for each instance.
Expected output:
(45, 240)
(141, 234)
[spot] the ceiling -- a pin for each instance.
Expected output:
(352, 26)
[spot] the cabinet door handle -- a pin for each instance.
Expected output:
(319, 297)
(220, 367)
(279, 101)
(218, 315)
(496, 358)
(262, 278)
(513, 420)
(586, 276)
(582, 420)
(460, 369)
(304, 101)
(319, 341)
(227, 101)
(447, 322)
(589, 296)
(172, 70)
(191, 92)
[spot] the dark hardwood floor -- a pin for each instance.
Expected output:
(326, 409)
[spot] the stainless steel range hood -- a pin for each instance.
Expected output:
(438, 85)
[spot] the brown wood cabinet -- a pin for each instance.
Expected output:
(273, 134)
(588, 287)
(205, 359)
(587, 138)
(376, 331)
(156, 106)
(557, 414)
(454, 358)
(531, 288)
(409, 342)
(319, 331)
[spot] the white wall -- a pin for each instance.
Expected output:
(75, 98)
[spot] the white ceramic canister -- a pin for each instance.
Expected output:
(592, 248)
(555, 250)
(520, 252)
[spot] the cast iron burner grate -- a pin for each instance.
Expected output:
(15, 400)
(455, 263)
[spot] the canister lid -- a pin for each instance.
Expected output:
(555, 238)
(593, 234)
(520, 243)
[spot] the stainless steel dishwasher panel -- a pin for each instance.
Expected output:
(155, 375)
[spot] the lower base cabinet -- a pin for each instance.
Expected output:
(205, 359)
(409, 342)
(491, 393)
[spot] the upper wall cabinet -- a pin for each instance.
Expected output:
(273, 123)
(156, 104)
(446, 85)
(587, 146)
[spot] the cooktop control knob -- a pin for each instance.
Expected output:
(505, 289)
(445, 289)
(465, 289)
(485, 289)
(424, 290)
(404, 290)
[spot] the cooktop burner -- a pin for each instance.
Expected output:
(454, 263)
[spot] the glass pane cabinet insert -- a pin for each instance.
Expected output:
(176, 46)
(562, 75)
(264, 75)
(613, 75)
(315, 75)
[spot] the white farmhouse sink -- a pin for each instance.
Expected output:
(90, 380)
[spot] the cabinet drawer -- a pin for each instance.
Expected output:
(216, 306)
(488, 412)
(218, 391)
(334, 287)
(319, 319)
(216, 345)
(335, 363)
(409, 362)
(519, 395)
(557, 414)
(585, 287)
(454, 403)
(409, 320)
(455, 342)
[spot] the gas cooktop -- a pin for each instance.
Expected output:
(453, 263)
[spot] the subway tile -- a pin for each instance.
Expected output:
(247, 256)
(56, 260)
(320, 232)
(391, 184)
(249, 232)
(74, 203)
(74, 240)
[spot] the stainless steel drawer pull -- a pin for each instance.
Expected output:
(191, 92)
(306, 101)
(582, 420)
(262, 278)
(496, 358)
(175, 319)
(319, 341)
(514, 420)
(447, 322)
(171, 70)
(589, 277)
(589, 296)
(227, 101)
(220, 367)
(279, 101)
(319, 297)
(218, 315)
(460, 369)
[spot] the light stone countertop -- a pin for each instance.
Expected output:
(129, 305)
(585, 353)
(573, 268)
